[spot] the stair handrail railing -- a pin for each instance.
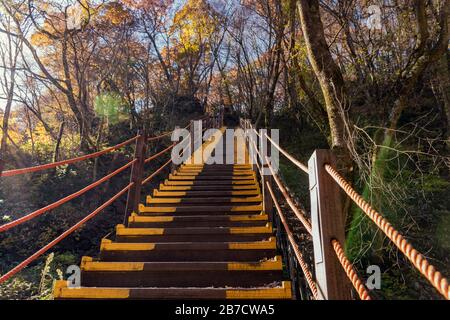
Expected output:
(306, 284)
(137, 164)
(331, 265)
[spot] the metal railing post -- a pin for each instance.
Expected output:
(327, 224)
(192, 141)
(137, 171)
(173, 166)
(252, 145)
(265, 149)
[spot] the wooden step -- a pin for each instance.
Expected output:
(209, 183)
(206, 187)
(136, 221)
(215, 179)
(217, 167)
(194, 172)
(204, 194)
(187, 251)
(197, 234)
(62, 291)
(180, 274)
(237, 209)
(217, 200)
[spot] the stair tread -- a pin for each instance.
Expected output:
(213, 178)
(121, 230)
(280, 291)
(202, 208)
(243, 217)
(209, 187)
(206, 194)
(156, 200)
(146, 246)
(209, 183)
(271, 264)
(202, 234)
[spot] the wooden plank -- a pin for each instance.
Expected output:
(327, 224)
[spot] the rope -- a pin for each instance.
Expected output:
(60, 202)
(308, 276)
(350, 271)
(44, 249)
(156, 172)
(301, 215)
(287, 155)
(416, 258)
(14, 172)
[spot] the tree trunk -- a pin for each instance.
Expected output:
(443, 76)
(58, 142)
(97, 146)
(329, 76)
(9, 100)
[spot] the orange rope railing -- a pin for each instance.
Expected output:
(60, 202)
(416, 258)
(350, 271)
(308, 276)
(44, 249)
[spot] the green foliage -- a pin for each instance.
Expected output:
(45, 285)
(434, 183)
(110, 105)
(393, 287)
(16, 288)
(443, 230)
(36, 282)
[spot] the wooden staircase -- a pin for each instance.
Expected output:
(201, 235)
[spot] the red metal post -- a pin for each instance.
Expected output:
(137, 171)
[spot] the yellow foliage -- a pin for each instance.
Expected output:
(195, 23)
(114, 13)
(40, 39)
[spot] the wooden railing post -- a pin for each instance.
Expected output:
(137, 171)
(327, 224)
